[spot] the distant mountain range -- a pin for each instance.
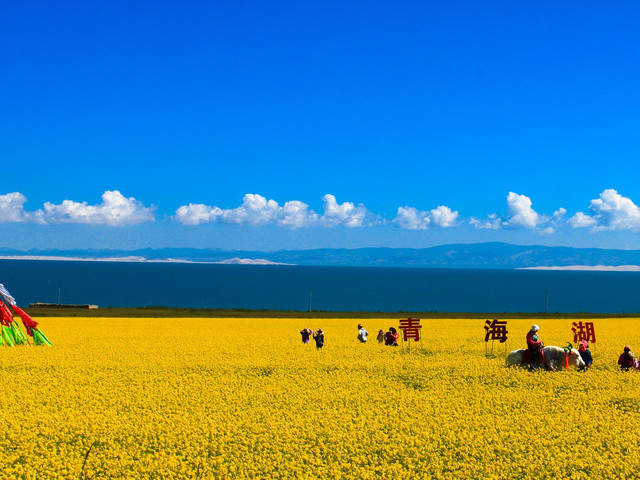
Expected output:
(478, 255)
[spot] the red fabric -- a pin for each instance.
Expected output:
(531, 343)
(625, 360)
(6, 317)
(531, 346)
(528, 354)
(26, 319)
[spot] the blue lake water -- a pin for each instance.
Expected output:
(332, 288)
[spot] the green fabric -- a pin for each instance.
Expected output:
(39, 338)
(48, 342)
(18, 335)
(7, 336)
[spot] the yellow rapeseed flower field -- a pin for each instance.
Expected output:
(245, 398)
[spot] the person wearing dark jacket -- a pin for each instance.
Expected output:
(306, 334)
(626, 360)
(585, 354)
(319, 338)
(391, 337)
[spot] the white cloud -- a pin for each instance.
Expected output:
(346, 214)
(493, 222)
(115, 210)
(520, 212)
(558, 215)
(443, 216)
(12, 208)
(196, 213)
(413, 219)
(611, 211)
(556, 220)
(255, 210)
(521, 215)
(296, 214)
(580, 220)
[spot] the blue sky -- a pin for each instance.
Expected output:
(267, 125)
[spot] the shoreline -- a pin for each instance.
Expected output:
(587, 268)
(265, 262)
(139, 259)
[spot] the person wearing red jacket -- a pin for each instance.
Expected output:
(391, 337)
(534, 344)
(626, 360)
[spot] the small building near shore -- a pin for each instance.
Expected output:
(62, 305)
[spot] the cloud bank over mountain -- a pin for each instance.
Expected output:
(115, 210)
(610, 211)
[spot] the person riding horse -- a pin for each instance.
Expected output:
(535, 345)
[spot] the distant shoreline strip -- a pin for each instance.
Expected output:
(589, 268)
(136, 259)
(260, 261)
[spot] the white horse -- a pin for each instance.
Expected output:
(553, 355)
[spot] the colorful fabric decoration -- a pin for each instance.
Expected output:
(10, 331)
(7, 296)
(31, 325)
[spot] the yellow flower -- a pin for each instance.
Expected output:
(245, 398)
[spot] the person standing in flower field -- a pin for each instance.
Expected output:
(391, 337)
(627, 359)
(380, 336)
(306, 335)
(319, 338)
(585, 354)
(362, 334)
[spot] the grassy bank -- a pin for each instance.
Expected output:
(159, 312)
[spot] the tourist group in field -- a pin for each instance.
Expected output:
(533, 356)
(389, 338)
(536, 354)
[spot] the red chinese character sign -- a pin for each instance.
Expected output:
(410, 329)
(583, 331)
(495, 330)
